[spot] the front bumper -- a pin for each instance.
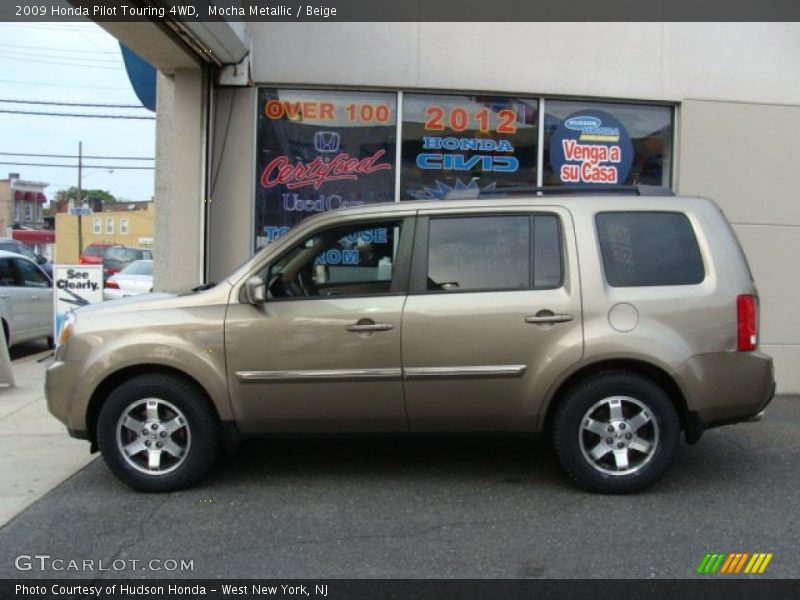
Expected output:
(59, 387)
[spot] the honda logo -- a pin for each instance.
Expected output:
(326, 141)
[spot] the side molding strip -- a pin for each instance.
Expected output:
(322, 375)
(457, 372)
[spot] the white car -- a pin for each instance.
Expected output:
(26, 299)
(136, 278)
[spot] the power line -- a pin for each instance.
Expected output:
(51, 49)
(65, 64)
(113, 167)
(51, 103)
(58, 85)
(88, 116)
(76, 156)
(50, 56)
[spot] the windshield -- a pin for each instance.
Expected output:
(139, 267)
(94, 250)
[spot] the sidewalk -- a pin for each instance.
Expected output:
(38, 454)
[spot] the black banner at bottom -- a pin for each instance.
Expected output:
(389, 589)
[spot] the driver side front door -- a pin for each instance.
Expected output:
(323, 353)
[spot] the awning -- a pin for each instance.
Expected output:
(41, 198)
(19, 195)
(34, 236)
(30, 196)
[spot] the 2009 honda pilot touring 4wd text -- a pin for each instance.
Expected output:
(611, 322)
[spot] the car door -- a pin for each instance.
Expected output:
(38, 293)
(17, 307)
(322, 353)
(492, 318)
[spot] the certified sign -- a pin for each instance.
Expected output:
(75, 286)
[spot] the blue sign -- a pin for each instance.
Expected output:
(591, 147)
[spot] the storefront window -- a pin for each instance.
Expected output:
(320, 150)
(458, 146)
(607, 143)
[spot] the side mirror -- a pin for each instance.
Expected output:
(255, 290)
(40, 260)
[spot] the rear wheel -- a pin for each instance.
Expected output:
(617, 432)
(158, 433)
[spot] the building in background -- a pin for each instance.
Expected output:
(22, 213)
(124, 223)
(353, 113)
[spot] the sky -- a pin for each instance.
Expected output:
(71, 62)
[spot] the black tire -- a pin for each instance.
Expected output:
(168, 397)
(622, 460)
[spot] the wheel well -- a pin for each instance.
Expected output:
(117, 378)
(655, 374)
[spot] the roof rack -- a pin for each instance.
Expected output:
(638, 190)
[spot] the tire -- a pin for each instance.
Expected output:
(168, 427)
(616, 433)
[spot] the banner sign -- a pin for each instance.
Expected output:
(75, 286)
(458, 146)
(591, 147)
(321, 150)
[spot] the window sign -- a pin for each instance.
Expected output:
(591, 146)
(459, 146)
(321, 150)
(603, 143)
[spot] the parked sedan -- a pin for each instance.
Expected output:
(136, 278)
(26, 299)
(17, 247)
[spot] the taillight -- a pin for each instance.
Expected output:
(747, 323)
(112, 284)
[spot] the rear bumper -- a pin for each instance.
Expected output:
(695, 426)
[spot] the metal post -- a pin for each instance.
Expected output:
(78, 202)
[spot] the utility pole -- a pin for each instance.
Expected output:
(78, 202)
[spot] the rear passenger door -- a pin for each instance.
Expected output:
(493, 317)
(39, 296)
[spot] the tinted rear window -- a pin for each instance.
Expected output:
(649, 248)
(94, 250)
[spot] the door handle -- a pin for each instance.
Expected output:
(34, 297)
(4, 297)
(551, 318)
(360, 327)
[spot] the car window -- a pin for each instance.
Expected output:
(352, 260)
(139, 267)
(31, 274)
(479, 253)
(121, 254)
(94, 250)
(18, 248)
(649, 248)
(8, 274)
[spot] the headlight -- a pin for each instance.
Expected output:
(66, 329)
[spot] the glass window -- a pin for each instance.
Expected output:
(649, 248)
(28, 211)
(607, 143)
(547, 256)
(479, 253)
(110, 225)
(139, 267)
(457, 146)
(345, 261)
(96, 226)
(8, 275)
(123, 226)
(31, 274)
(317, 150)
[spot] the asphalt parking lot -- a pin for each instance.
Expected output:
(420, 508)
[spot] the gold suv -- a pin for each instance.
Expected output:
(612, 323)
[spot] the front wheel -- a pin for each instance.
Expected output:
(616, 432)
(158, 433)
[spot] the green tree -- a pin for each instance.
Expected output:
(87, 195)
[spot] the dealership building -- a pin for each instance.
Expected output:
(261, 124)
